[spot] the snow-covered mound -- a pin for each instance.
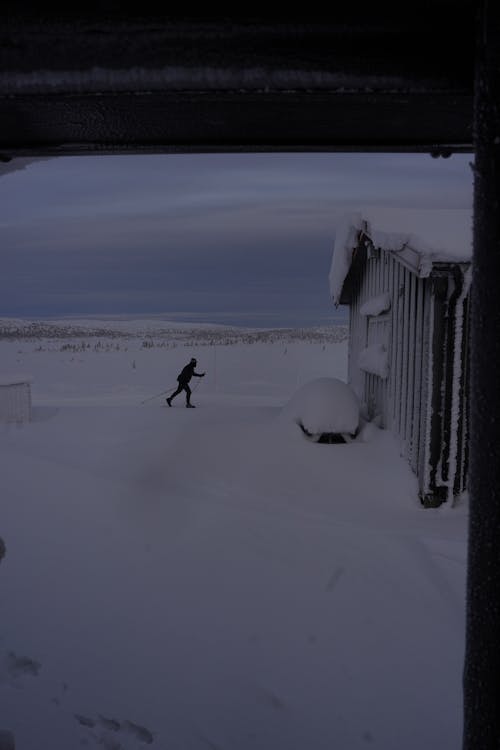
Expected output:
(324, 406)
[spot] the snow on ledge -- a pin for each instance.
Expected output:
(374, 360)
(376, 305)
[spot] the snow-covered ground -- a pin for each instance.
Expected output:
(209, 578)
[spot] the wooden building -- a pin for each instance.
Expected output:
(408, 298)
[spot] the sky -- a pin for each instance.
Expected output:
(231, 238)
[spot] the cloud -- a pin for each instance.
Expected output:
(208, 230)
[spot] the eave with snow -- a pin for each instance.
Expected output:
(405, 275)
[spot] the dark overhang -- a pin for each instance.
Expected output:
(104, 79)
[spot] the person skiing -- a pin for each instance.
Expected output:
(183, 379)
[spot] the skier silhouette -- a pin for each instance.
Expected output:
(183, 379)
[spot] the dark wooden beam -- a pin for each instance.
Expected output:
(482, 657)
(223, 121)
(104, 80)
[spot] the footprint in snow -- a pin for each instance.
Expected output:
(116, 727)
(13, 668)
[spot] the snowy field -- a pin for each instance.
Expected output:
(209, 579)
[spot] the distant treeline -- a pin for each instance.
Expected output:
(77, 337)
(38, 330)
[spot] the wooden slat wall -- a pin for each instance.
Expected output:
(356, 336)
(410, 389)
(404, 399)
(425, 399)
(401, 399)
(418, 375)
(398, 373)
(392, 288)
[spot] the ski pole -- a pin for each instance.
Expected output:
(152, 397)
(195, 386)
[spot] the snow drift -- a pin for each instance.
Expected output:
(324, 405)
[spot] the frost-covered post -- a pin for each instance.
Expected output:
(482, 654)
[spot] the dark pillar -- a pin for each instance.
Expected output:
(482, 653)
(7, 741)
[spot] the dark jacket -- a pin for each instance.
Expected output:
(187, 373)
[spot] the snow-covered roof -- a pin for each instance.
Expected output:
(434, 235)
